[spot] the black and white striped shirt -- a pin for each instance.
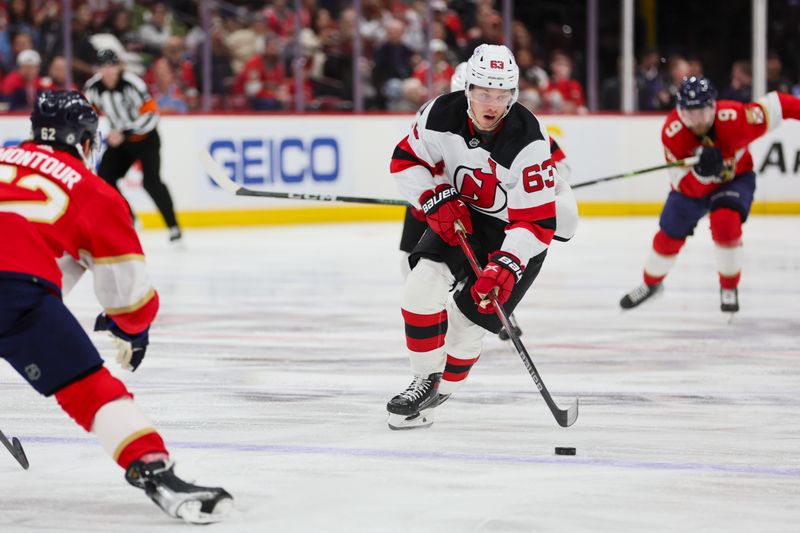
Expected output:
(128, 106)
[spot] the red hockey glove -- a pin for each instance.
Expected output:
(442, 207)
(499, 276)
(417, 214)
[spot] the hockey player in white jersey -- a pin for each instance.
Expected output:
(414, 223)
(479, 158)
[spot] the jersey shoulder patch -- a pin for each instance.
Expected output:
(520, 128)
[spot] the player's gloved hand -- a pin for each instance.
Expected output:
(710, 164)
(442, 207)
(418, 214)
(130, 348)
(499, 276)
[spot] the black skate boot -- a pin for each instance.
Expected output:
(514, 327)
(179, 499)
(639, 295)
(729, 300)
(413, 407)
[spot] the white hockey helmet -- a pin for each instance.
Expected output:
(493, 66)
(459, 80)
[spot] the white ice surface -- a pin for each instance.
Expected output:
(276, 350)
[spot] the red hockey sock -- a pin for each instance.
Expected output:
(101, 403)
(425, 333)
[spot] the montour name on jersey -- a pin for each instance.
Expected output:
(45, 164)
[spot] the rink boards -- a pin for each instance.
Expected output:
(349, 154)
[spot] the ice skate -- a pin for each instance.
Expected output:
(640, 294)
(729, 302)
(514, 327)
(413, 408)
(177, 498)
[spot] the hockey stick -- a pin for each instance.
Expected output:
(221, 178)
(564, 417)
(689, 161)
(15, 447)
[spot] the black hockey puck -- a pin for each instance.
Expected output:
(564, 451)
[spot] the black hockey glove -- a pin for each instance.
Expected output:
(130, 348)
(710, 164)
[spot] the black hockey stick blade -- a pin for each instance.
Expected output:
(220, 177)
(15, 447)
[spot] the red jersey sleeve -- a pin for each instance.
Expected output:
(110, 248)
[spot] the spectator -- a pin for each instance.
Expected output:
(563, 93)
(157, 28)
(119, 25)
(56, 79)
(442, 70)
(182, 70)
(241, 40)
(279, 18)
(21, 86)
(21, 41)
(392, 58)
(51, 32)
(339, 56)
(21, 20)
(776, 81)
(678, 69)
(532, 80)
(166, 92)
(221, 70)
(648, 79)
(741, 85)
(695, 67)
(455, 36)
(263, 79)
(488, 31)
(6, 55)
(83, 53)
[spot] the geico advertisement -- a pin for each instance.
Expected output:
(350, 155)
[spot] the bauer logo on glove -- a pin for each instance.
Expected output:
(443, 207)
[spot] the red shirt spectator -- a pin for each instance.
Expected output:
(22, 85)
(563, 94)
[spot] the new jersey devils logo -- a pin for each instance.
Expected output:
(481, 188)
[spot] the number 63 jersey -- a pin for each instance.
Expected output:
(508, 174)
(57, 217)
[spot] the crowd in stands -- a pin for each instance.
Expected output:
(253, 48)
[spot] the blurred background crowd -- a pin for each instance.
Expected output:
(263, 52)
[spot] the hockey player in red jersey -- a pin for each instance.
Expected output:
(414, 224)
(722, 183)
(479, 158)
(56, 217)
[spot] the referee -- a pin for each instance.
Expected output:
(133, 116)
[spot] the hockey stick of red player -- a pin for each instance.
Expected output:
(688, 162)
(221, 178)
(564, 417)
(15, 447)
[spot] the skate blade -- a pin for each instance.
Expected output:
(423, 419)
(192, 512)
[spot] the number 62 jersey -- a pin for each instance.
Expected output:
(57, 220)
(508, 174)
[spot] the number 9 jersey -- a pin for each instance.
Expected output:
(56, 215)
(508, 174)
